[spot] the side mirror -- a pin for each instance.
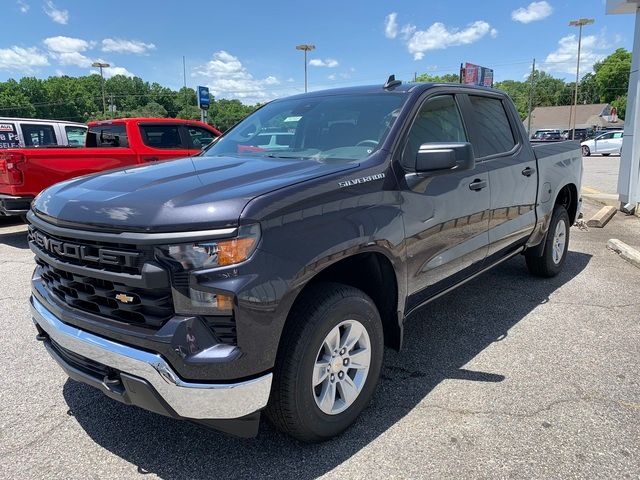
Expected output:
(438, 158)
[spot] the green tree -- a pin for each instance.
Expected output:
(612, 75)
(447, 78)
(150, 110)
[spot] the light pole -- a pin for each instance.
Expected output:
(306, 48)
(578, 23)
(101, 66)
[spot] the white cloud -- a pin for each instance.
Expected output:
(391, 25)
(120, 45)
(333, 76)
(113, 70)
(62, 44)
(55, 14)
(23, 6)
(226, 77)
(73, 58)
(532, 13)
(327, 62)
(494, 33)
(22, 59)
(564, 58)
(438, 37)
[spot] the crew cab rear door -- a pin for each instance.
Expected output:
(163, 141)
(445, 214)
(513, 179)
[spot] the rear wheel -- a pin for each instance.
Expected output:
(585, 151)
(328, 364)
(555, 247)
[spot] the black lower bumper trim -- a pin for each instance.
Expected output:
(136, 391)
(10, 206)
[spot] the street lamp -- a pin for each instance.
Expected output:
(306, 48)
(578, 23)
(101, 66)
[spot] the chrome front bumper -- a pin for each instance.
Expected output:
(199, 401)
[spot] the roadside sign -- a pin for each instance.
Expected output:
(8, 136)
(477, 75)
(203, 98)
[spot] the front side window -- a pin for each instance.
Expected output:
(340, 127)
(106, 136)
(162, 136)
(200, 137)
(618, 135)
(437, 121)
(38, 135)
(75, 135)
(494, 130)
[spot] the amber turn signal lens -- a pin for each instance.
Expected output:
(235, 251)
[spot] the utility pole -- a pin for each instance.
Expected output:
(305, 47)
(531, 89)
(104, 99)
(578, 23)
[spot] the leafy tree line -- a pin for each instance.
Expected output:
(608, 83)
(80, 99)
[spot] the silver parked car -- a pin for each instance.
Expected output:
(32, 132)
(605, 144)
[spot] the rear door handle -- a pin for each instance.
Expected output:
(527, 172)
(477, 184)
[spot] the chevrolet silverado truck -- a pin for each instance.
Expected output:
(248, 279)
(24, 172)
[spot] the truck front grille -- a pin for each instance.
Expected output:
(144, 307)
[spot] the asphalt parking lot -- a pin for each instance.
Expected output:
(507, 377)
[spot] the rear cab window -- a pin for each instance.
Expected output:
(493, 132)
(108, 135)
(38, 135)
(162, 136)
(8, 135)
(200, 137)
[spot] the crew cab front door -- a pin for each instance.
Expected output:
(446, 214)
(513, 179)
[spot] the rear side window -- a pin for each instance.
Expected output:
(75, 135)
(494, 130)
(8, 136)
(107, 136)
(38, 135)
(162, 136)
(618, 135)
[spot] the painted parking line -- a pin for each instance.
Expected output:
(586, 189)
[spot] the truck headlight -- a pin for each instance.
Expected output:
(217, 253)
(187, 257)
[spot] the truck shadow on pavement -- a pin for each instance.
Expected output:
(439, 341)
(16, 239)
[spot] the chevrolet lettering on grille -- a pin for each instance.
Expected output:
(88, 253)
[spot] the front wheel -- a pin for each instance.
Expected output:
(585, 151)
(328, 363)
(555, 247)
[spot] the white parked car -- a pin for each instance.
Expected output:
(605, 144)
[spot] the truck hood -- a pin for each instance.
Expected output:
(187, 194)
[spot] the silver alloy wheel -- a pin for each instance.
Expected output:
(341, 368)
(559, 241)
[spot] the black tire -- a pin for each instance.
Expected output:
(292, 407)
(545, 266)
(586, 152)
(606, 154)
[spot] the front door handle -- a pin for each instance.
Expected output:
(527, 172)
(477, 184)
(151, 159)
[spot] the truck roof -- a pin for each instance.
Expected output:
(401, 88)
(144, 119)
(43, 120)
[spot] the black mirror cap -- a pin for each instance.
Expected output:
(445, 157)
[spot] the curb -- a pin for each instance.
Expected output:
(601, 218)
(628, 253)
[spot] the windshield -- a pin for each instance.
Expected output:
(347, 127)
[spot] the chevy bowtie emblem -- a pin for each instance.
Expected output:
(124, 298)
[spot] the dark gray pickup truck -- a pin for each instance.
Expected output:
(254, 278)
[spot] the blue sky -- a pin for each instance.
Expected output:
(246, 49)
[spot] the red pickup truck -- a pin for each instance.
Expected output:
(24, 172)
